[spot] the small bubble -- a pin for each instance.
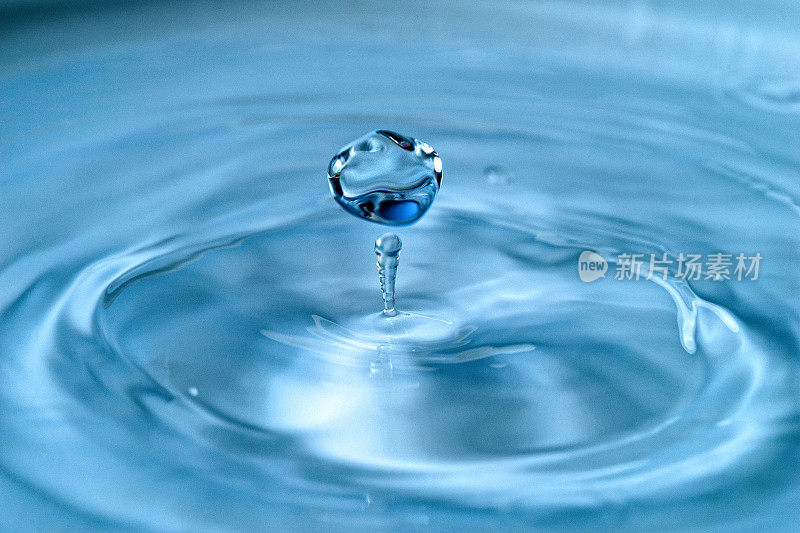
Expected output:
(386, 178)
(496, 175)
(193, 391)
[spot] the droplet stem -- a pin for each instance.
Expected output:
(388, 246)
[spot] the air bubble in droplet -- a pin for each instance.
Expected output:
(386, 178)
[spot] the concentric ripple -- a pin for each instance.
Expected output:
(288, 349)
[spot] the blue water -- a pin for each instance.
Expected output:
(190, 329)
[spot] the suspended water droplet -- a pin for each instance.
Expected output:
(385, 177)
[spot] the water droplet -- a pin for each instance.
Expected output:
(388, 248)
(496, 175)
(386, 177)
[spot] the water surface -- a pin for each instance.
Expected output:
(189, 329)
